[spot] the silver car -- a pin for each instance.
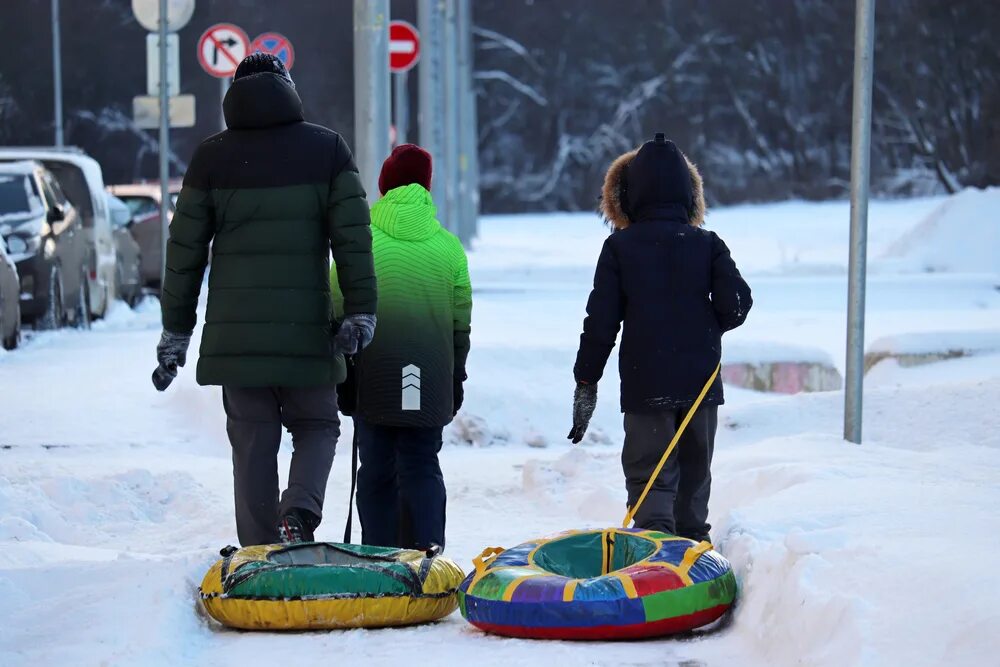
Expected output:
(128, 279)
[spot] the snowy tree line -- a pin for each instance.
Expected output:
(758, 93)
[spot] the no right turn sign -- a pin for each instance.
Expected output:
(222, 48)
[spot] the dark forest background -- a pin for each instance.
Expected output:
(758, 93)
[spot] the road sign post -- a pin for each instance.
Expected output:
(861, 134)
(57, 73)
(371, 90)
(404, 53)
(430, 19)
(468, 129)
(164, 142)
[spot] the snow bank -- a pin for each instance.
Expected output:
(961, 235)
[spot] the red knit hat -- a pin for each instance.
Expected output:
(408, 163)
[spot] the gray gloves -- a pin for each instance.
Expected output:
(171, 354)
(355, 332)
(584, 403)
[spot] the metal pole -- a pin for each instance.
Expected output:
(401, 101)
(164, 140)
(864, 46)
(223, 89)
(468, 127)
(57, 72)
(371, 90)
(453, 216)
(430, 22)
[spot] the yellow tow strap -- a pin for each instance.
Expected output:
(673, 443)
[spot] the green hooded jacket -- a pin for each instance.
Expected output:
(406, 377)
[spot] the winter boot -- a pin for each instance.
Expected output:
(296, 527)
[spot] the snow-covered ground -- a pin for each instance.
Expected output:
(114, 499)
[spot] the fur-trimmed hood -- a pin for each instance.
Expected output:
(618, 181)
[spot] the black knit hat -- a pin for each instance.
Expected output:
(257, 63)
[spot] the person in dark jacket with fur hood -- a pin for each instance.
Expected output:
(674, 290)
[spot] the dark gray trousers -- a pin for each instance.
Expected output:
(254, 420)
(678, 501)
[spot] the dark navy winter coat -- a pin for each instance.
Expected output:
(671, 285)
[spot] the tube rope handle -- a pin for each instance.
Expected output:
(630, 515)
(483, 560)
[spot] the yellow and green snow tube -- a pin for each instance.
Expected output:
(322, 586)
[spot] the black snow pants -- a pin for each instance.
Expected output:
(254, 420)
(678, 501)
(401, 492)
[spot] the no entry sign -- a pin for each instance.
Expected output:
(221, 49)
(276, 44)
(404, 46)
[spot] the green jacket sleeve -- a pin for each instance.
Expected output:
(337, 297)
(462, 313)
(351, 241)
(191, 232)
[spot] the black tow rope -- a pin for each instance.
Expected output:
(354, 484)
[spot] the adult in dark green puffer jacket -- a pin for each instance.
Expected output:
(270, 198)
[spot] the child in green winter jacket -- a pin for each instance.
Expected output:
(410, 379)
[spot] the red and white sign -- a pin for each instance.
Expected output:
(222, 48)
(276, 44)
(404, 46)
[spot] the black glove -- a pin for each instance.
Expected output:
(354, 334)
(584, 402)
(171, 353)
(458, 393)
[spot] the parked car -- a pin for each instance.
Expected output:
(128, 277)
(10, 307)
(144, 201)
(83, 182)
(44, 236)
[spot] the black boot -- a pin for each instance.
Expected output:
(297, 527)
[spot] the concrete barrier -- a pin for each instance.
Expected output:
(779, 368)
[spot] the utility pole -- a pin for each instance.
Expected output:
(430, 22)
(164, 141)
(57, 73)
(371, 90)
(861, 126)
(468, 129)
(453, 214)
(401, 102)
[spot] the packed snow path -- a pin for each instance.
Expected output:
(114, 499)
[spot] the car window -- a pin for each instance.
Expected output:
(140, 206)
(74, 185)
(51, 200)
(120, 215)
(14, 194)
(57, 190)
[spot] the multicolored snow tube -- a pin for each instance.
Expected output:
(598, 584)
(321, 586)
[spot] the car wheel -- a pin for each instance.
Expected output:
(54, 316)
(14, 339)
(83, 310)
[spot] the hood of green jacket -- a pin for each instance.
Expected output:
(406, 213)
